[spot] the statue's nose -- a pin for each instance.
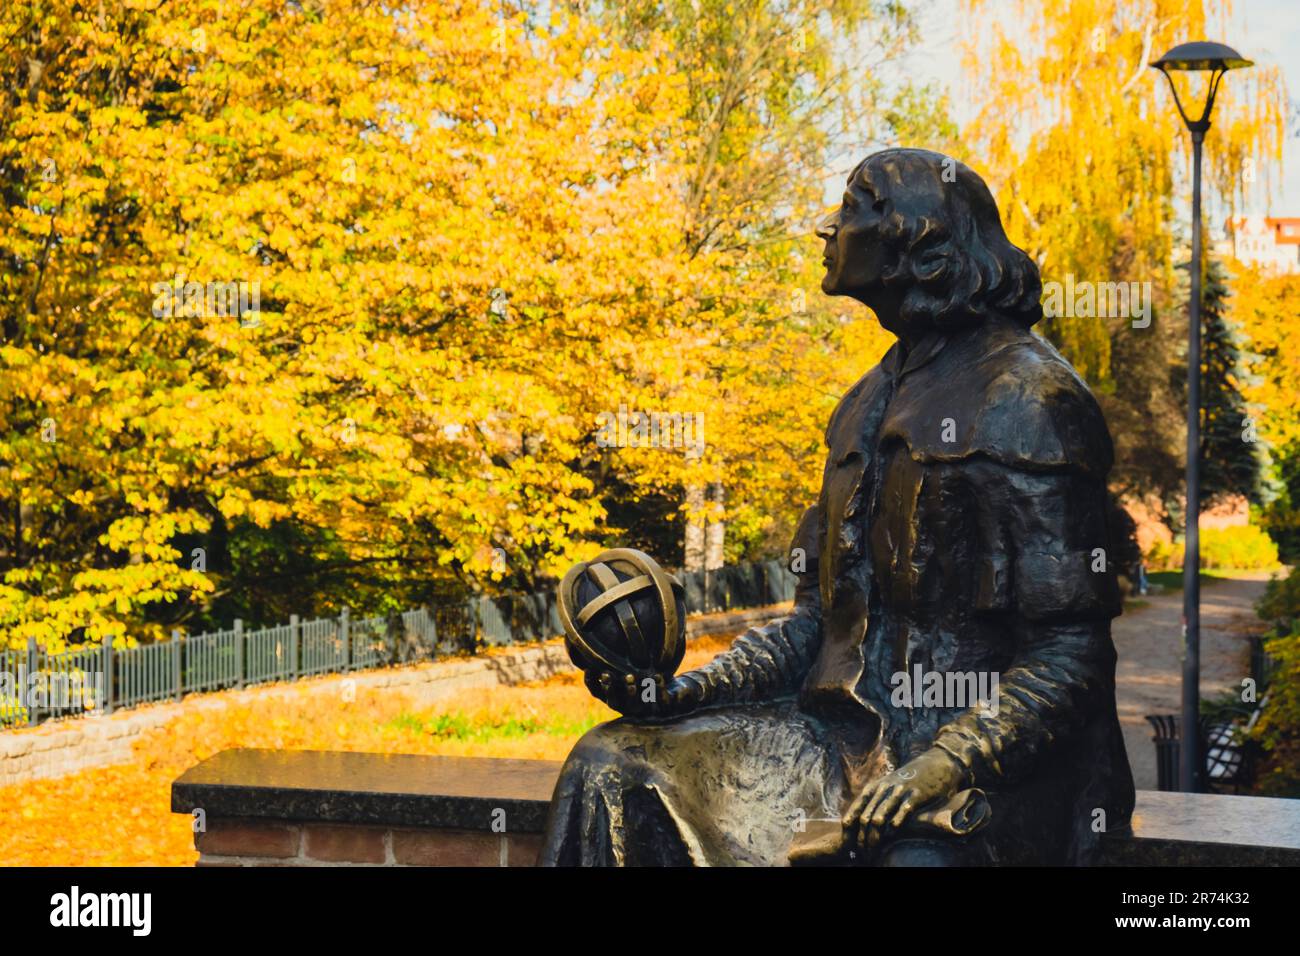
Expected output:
(826, 228)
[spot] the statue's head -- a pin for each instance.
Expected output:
(918, 238)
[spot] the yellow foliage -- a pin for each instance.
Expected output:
(465, 225)
(1078, 137)
(1266, 307)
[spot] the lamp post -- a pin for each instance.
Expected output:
(1217, 59)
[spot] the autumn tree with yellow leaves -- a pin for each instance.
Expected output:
(1266, 309)
(462, 225)
(777, 94)
(1090, 164)
(465, 232)
(410, 188)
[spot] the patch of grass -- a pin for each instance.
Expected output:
(460, 726)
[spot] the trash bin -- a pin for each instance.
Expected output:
(1167, 750)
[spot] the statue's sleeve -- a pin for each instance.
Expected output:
(1045, 570)
(768, 661)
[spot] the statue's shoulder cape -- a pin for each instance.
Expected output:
(1005, 393)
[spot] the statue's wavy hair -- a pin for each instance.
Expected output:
(955, 265)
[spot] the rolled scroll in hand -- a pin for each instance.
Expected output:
(823, 843)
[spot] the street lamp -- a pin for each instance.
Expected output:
(1217, 59)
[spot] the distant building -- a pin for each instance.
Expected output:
(1270, 243)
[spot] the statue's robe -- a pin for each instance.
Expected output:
(961, 528)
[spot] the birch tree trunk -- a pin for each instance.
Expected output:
(716, 529)
(693, 542)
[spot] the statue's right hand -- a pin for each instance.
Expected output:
(647, 698)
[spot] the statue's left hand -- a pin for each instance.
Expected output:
(886, 802)
(662, 701)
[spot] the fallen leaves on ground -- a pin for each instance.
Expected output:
(121, 815)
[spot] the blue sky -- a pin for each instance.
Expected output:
(1266, 31)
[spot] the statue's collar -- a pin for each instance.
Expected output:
(896, 365)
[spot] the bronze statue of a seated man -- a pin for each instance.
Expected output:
(961, 529)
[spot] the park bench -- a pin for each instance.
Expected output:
(1229, 751)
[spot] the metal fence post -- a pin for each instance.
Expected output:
(239, 653)
(176, 664)
(26, 690)
(477, 626)
(293, 646)
(108, 674)
(345, 633)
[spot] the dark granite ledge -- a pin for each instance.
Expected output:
(361, 788)
(1169, 829)
(1208, 829)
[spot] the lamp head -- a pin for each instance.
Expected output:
(1200, 56)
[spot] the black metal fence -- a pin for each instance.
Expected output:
(38, 686)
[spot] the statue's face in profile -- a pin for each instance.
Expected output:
(917, 239)
(855, 257)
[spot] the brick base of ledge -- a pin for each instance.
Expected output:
(291, 843)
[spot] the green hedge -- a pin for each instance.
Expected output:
(1245, 547)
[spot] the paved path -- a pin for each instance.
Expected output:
(1149, 642)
